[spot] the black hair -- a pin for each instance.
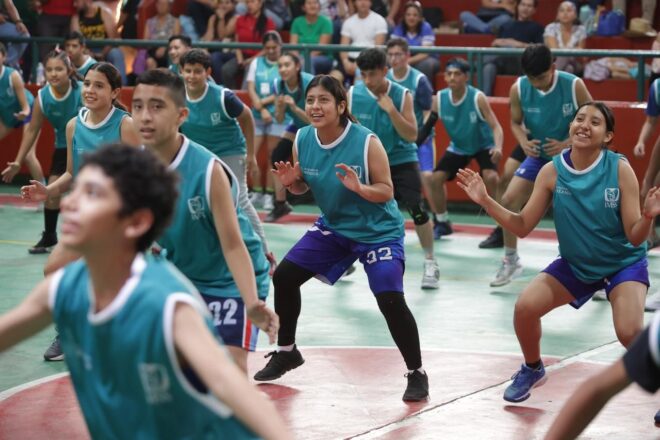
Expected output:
(142, 181)
(458, 63)
(536, 59)
(61, 55)
(298, 63)
(184, 39)
(3, 49)
(418, 7)
(604, 109)
(262, 21)
(536, 5)
(372, 59)
(75, 35)
(334, 87)
(196, 56)
(272, 36)
(167, 79)
(114, 78)
(398, 42)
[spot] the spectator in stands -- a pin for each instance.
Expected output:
(648, 9)
(337, 11)
(221, 27)
(54, 21)
(95, 23)
(160, 27)
(11, 25)
(313, 28)
(177, 46)
(655, 65)
(385, 8)
(489, 18)
(200, 11)
(127, 24)
(566, 33)
(278, 11)
(518, 33)
(364, 28)
(418, 32)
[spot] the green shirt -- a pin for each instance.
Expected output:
(310, 33)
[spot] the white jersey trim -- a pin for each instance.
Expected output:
(367, 180)
(580, 172)
(52, 288)
(180, 155)
(574, 93)
(84, 112)
(334, 143)
(202, 96)
(476, 104)
(222, 103)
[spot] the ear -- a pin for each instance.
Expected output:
(341, 108)
(138, 223)
(608, 137)
(183, 115)
(115, 93)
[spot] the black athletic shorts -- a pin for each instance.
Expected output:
(518, 154)
(58, 163)
(451, 162)
(407, 184)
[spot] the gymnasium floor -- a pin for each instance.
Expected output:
(351, 383)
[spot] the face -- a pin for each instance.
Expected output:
(455, 78)
(195, 77)
(374, 79)
(321, 107)
(156, 115)
(57, 72)
(163, 7)
(225, 6)
(287, 67)
(2, 58)
(175, 50)
(253, 6)
(74, 49)
(272, 50)
(362, 6)
(588, 129)
(312, 7)
(412, 17)
(543, 81)
(566, 13)
(396, 57)
(97, 93)
(526, 9)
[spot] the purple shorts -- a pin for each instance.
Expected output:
(291, 128)
(329, 254)
(530, 168)
(426, 153)
(561, 270)
(231, 321)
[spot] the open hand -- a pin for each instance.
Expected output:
(531, 147)
(265, 318)
(287, 173)
(349, 178)
(10, 172)
(552, 146)
(36, 191)
(473, 185)
(652, 202)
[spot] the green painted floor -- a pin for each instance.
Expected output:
(464, 314)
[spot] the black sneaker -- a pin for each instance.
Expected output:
(656, 419)
(279, 210)
(494, 240)
(418, 387)
(54, 352)
(44, 245)
(280, 362)
(442, 228)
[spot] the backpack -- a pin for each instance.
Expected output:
(611, 23)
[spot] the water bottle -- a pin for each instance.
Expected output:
(41, 75)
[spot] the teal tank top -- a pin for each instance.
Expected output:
(468, 131)
(122, 360)
(410, 82)
(364, 106)
(191, 241)
(59, 111)
(343, 210)
(265, 73)
(8, 98)
(587, 212)
(548, 114)
(88, 138)
(209, 125)
(82, 70)
(298, 96)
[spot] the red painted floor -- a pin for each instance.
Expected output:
(343, 393)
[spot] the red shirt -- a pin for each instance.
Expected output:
(245, 32)
(59, 7)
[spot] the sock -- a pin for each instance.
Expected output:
(534, 365)
(285, 347)
(50, 220)
(402, 326)
(420, 369)
(442, 217)
(511, 254)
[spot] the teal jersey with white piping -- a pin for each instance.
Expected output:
(59, 111)
(89, 62)
(410, 82)
(88, 137)
(467, 128)
(265, 73)
(10, 104)
(298, 95)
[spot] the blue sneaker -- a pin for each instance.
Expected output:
(523, 381)
(656, 419)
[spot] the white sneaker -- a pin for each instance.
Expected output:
(507, 272)
(653, 302)
(600, 295)
(257, 199)
(268, 202)
(431, 277)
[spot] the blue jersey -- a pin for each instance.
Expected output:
(59, 111)
(10, 104)
(122, 359)
(265, 73)
(298, 95)
(88, 138)
(210, 125)
(467, 128)
(82, 70)
(364, 106)
(548, 114)
(342, 209)
(191, 241)
(587, 212)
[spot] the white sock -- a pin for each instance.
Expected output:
(442, 217)
(285, 347)
(420, 369)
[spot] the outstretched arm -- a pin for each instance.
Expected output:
(28, 318)
(636, 225)
(29, 136)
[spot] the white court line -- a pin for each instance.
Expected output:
(17, 389)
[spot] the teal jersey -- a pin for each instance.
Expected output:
(209, 125)
(467, 128)
(410, 81)
(82, 70)
(88, 138)
(298, 96)
(9, 100)
(59, 111)
(364, 106)
(547, 115)
(175, 68)
(265, 73)
(343, 210)
(587, 212)
(122, 359)
(191, 241)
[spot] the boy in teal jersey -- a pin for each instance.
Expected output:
(221, 122)
(543, 102)
(177, 46)
(74, 45)
(473, 129)
(601, 234)
(210, 240)
(387, 109)
(135, 332)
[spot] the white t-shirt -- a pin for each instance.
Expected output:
(363, 31)
(578, 33)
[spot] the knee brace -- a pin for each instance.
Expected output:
(418, 214)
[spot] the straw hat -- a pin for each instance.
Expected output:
(640, 27)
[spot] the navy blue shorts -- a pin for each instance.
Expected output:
(530, 168)
(231, 321)
(561, 270)
(291, 128)
(426, 154)
(328, 255)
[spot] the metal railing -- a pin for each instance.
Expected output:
(474, 55)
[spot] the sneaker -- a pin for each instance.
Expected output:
(431, 277)
(600, 295)
(656, 419)
(418, 387)
(523, 381)
(652, 302)
(494, 240)
(45, 244)
(268, 202)
(257, 199)
(442, 228)
(54, 352)
(280, 210)
(280, 362)
(507, 272)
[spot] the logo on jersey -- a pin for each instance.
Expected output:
(216, 118)
(357, 169)
(196, 208)
(562, 190)
(567, 109)
(473, 117)
(612, 197)
(155, 383)
(310, 171)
